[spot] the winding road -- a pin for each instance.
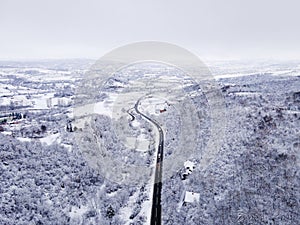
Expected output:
(132, 116)
(156, 201)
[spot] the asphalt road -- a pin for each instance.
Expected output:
(132, 116)
(156, 200)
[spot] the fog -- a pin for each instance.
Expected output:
(213, 29)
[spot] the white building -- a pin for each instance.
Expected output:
(191, 197)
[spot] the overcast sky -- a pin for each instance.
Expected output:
(217, 29)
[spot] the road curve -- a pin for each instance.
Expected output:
(132, 116)
(156, 200)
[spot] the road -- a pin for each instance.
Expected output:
(156, 200)
(132, 116)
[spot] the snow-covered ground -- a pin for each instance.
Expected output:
(50, 139)
(47, 179)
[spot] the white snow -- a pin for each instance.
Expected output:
(4, 91)
(126, 211)
(139, 144)
(153, 105)
(50, 139)
(103, 109)
(40, 103)
(245, 93)
(231, 75)
(135, 123)
(78, 212)
(189, 164)
(67, 146)
(191, 197)
(189, 167)
(112, 194)
(6, 132)
(24, 139)
(146, 209)
(82, 112)
(292, 111)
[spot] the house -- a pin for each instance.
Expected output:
(191, 197)
(162, 110)
(189, 167)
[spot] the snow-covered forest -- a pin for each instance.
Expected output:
(50, 163)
